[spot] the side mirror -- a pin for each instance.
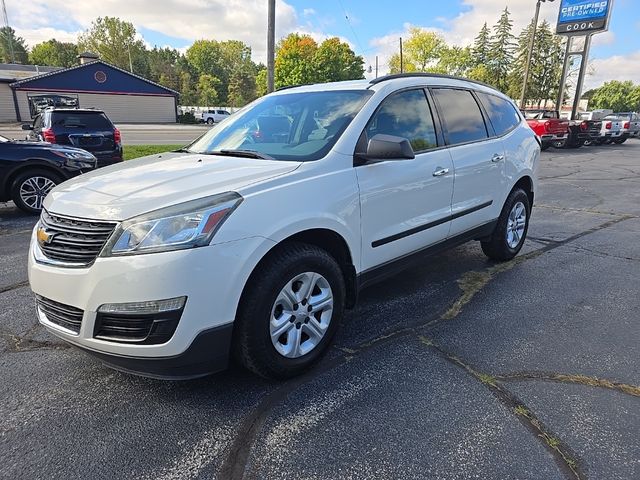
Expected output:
(383, 147)
(27, 126)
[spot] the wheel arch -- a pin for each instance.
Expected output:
(331, 242)
(526, 184)
(24, 167)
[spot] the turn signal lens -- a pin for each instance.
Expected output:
(142, 308)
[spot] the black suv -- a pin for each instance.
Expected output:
(88, 129)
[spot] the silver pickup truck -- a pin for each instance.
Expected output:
(631, 124)
(611, 130)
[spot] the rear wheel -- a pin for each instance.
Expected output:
(559, 143)
(545, 146)
(289, 312)
(620, 141)
(510, 232)
(210, 121)
(588, 142)
(31, 187)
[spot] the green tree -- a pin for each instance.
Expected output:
(617, 96)
(13, 49)
(163, 67)
(481, 46)
(261, 82)
(294, 60)
(421, 52)
(54, 53)
(208, 90)
(114, 40)
(500, 56)
(335, 61)
(242, 88)
(456, 61)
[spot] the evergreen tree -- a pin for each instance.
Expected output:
(481, 46)
(500, 56)
(13, 49)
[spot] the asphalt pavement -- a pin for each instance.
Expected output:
(136, 134)
(459, 368)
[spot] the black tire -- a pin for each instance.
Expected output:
(559, 144)
(210, 121)
(496, 247)
(252, 345)
(607, 141)
(620, 141)
(22, 179)
(599, 141)
(588, 142)
(545, 146)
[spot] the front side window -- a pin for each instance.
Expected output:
(405, 114)
(502, 115)
(461, 115)
(289, 126)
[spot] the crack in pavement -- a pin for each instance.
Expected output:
(235, 463)
(561, 452)
(8, 288)
(586, 380)
(22, 343)
(585, 210)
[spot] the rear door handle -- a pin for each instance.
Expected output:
(440, 172)
(497, 158)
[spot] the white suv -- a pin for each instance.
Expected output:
(253, 240)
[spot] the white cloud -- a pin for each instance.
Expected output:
(38, 35)
(244, 20)
(617, 67)
(307, 12)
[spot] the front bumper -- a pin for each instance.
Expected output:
(212, 278)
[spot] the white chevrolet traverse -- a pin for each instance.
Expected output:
(251, 241)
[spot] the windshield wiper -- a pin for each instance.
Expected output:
(241, 153)
(182, 150)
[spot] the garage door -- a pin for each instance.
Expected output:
(7, 109)
(119, 108)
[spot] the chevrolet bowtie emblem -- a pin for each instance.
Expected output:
(44, 237)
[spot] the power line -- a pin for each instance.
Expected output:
(346, 16)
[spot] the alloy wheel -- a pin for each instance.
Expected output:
(516, 223)
(34, 190)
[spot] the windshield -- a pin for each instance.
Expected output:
(291, 126)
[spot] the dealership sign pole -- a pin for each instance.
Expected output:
(580, 18)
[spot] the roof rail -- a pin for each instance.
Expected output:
(425, 74)
(287, 87)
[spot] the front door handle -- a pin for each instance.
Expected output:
(440, 172)
(497, 158)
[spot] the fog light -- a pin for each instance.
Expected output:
(144, 308)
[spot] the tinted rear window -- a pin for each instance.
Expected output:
(89, 120)
(502, 115)
(461, 115)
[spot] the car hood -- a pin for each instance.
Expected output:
(139, 186)
(45, 145)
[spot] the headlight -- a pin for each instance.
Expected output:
(188, 225)
(73, 154)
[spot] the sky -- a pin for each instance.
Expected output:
(371, 28)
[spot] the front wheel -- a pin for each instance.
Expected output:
(511, 230)
(30, 189)
(289, 312)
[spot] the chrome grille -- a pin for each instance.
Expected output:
(74, 240)
(63, 315)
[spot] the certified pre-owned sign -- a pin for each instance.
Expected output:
(583, 16)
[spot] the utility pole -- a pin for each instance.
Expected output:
(530, 53)
(583, 70)
(130, 62)
(376, 66)
(5, 24)
(401, 64)
(271, 44)
(563, 77)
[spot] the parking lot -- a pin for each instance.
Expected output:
(459, 368)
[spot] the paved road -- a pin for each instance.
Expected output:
(137, 134)
(457, 369)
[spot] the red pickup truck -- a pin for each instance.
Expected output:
(547, 125)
